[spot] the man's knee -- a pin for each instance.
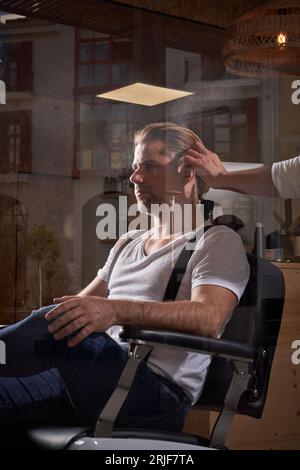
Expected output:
(41, 312)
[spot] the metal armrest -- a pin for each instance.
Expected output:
(214, 347)
(239, 354)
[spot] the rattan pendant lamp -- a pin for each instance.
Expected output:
(265, 42)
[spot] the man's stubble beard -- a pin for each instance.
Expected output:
(145, 206)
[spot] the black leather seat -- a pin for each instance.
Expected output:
(237, 378)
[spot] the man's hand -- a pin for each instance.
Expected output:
(83, 314)
(206, 163)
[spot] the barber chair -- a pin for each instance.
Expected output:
(236, 383)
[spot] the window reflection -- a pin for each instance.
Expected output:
(61, 147)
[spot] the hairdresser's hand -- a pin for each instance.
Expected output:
(206, 163)
(84, 315)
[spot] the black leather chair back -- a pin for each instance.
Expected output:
(255, 321)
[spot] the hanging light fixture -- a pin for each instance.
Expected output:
(265, 42)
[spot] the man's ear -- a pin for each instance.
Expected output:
(187, 172)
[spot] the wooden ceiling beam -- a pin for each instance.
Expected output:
(117, 20)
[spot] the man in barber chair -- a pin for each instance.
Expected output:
(64, 360)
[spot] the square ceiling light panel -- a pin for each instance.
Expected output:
(147, 95)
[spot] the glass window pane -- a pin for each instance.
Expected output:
(221, 134)
(86, 112)
(120, 73)
(119, 112)
(88, 132)
(85, 33)
(222, 148)
(239, 119)
(86, 75)
(131, 130)
(116, 73)
(131, 110)
(118, 158)
(101, 133)
(11, 158)
(101, 157)
(220, 119)
(119, 133)
(88, 124)
(101, 74)
(87, 157)
(101, 112)
(86, 52)
(101, 50)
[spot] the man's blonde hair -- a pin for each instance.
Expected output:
(177, 139)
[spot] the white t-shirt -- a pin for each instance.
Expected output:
(219, 259)
(286, 177)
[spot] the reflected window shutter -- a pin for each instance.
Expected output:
(25, 66)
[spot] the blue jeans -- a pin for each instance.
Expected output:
(45, 381)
